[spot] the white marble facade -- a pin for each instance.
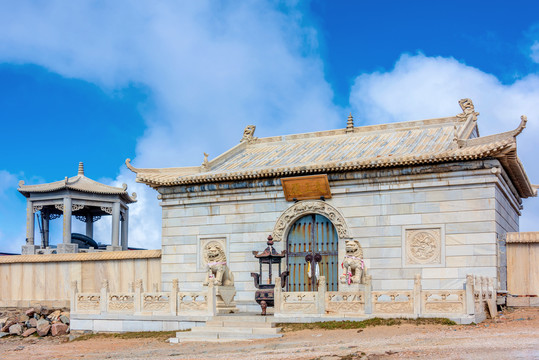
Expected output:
(438, 221)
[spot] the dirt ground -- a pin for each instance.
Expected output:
(514, 335)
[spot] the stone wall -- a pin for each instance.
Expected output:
(460, 206)
(28, 280)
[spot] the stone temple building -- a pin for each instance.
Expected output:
(427, 201)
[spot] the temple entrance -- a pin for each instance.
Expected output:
(312, 248)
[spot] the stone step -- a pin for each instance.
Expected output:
(218, 336)
(237, 330)
(244, 318)
(230, 323)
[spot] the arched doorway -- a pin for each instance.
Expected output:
(312, 239)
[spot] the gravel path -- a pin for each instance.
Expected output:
(514, 335)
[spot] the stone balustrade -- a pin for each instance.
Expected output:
(139, 302)
(469, 301)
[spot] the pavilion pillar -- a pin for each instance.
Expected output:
(89, 226)
(66, 246)
(115, 239)
(45, 216)
(30, 247)
(125, 225)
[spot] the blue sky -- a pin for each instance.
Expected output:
(162, 82)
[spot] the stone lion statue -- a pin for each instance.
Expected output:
(215, 259)
(353, 265)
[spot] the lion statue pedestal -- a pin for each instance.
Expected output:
(225, 300)
(222, 278)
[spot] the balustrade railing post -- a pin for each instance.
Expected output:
(322, 295)
(492, 288)
(277, 291)
(368, 294)
(479, 287)
(417, 297)
(470, 302)
(104, 298)
(174, 297)
(73, 300)
(212, 299)
(138, 296)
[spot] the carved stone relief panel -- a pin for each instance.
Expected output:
(301, 208)
(88, 302)
(423, 246)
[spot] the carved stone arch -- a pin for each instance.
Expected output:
(302, 208)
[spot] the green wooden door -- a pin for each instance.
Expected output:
(312, 239)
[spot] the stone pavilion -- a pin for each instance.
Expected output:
(81, 197)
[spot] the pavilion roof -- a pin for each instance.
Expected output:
(78, 183)
(354, 148)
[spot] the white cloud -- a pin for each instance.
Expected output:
(8, 181)
(212, 68)
(12, 211)
(144, 216)
(421, 87)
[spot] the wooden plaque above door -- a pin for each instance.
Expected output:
(306, 187)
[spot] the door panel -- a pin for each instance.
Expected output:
(312, 235)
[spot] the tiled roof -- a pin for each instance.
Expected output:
(78, 183)
(377, 146)
(522, 237)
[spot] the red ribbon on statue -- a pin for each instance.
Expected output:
(356, 258)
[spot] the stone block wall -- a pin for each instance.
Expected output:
(459, 208)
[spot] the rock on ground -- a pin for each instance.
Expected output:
(32, 323)
(43, 329)
(15, 329)
(59, 329)
(29, 332)
(7, 325)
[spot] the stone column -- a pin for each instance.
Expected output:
(89, 226)
(45, 215)
(66, 246)
(115, 239)
(67, 220)
(30, 247)
(125, 224)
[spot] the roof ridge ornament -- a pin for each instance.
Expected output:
(350, 124)
(521, 126)
(129, 166)
(81, 168)
(205, 163)
(248, 134)
(468, 109)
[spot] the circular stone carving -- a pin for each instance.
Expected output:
(423, 248)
